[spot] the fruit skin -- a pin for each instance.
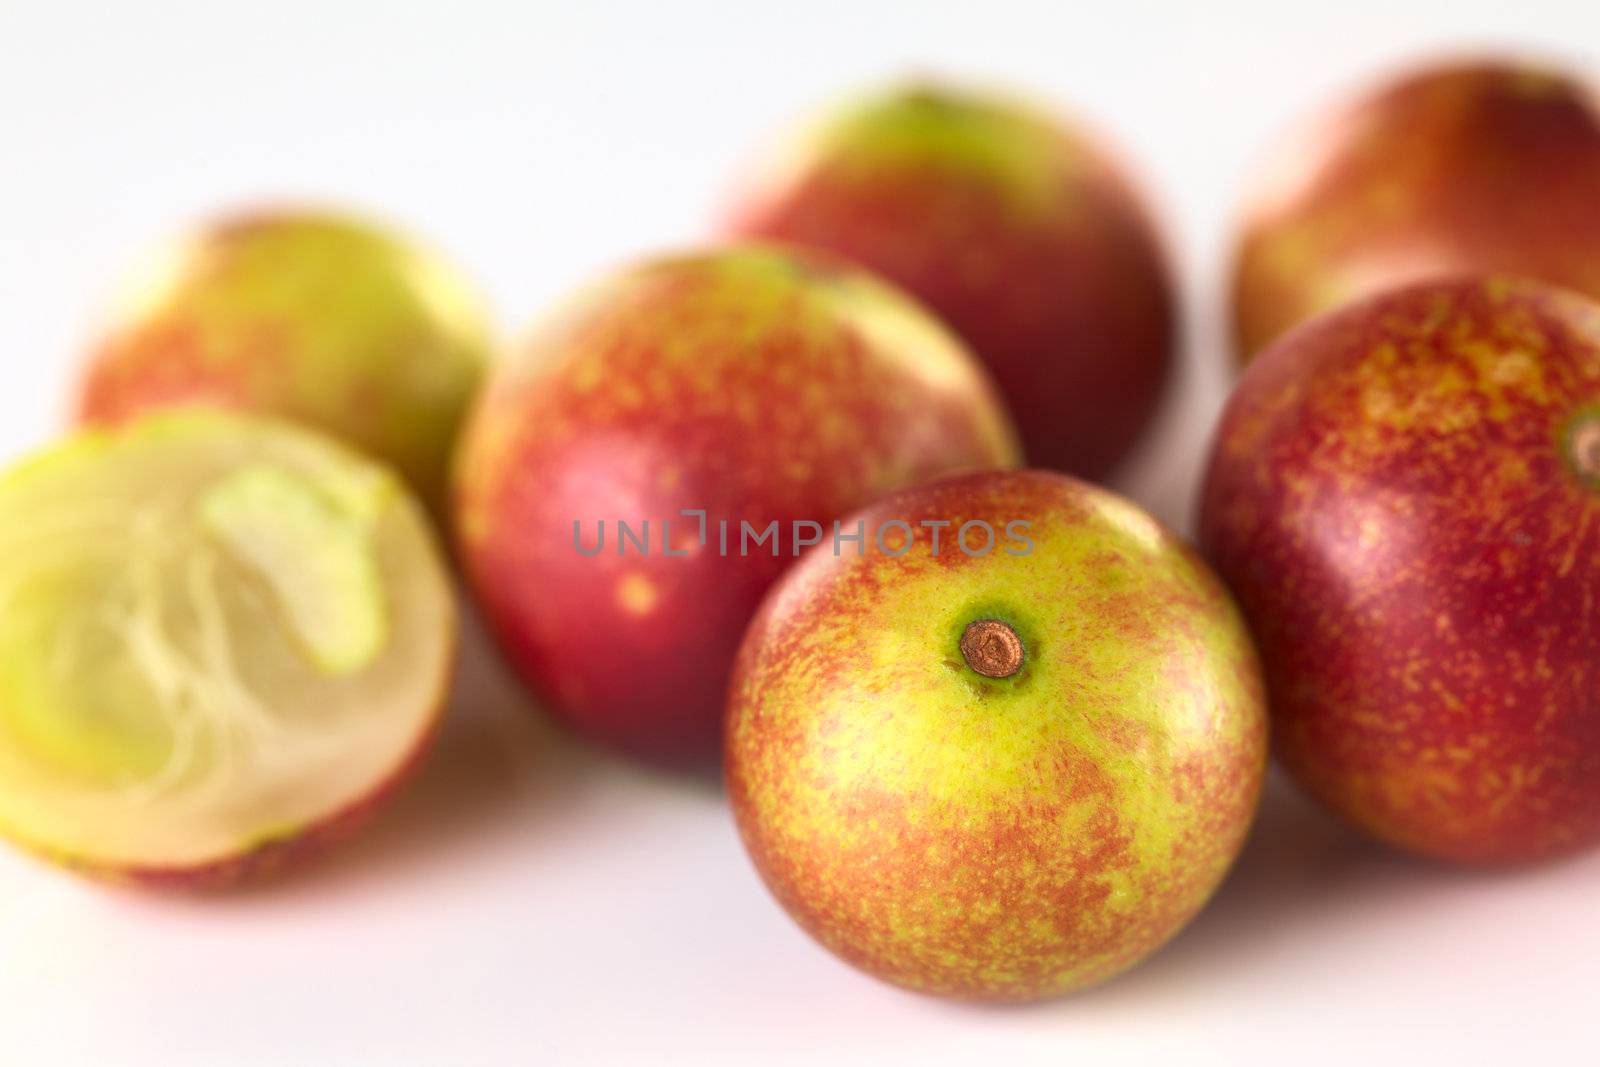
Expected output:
(308, 315)
(267, 851)
(1420, 562)
(998, 839)
(1462, 168)
(753, 383)
(1017, 230)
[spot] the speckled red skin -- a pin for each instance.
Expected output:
(1004, 840)
(1468, 167)
(308, 314)
(1074, 313)
(598, 419)
(1391, 502)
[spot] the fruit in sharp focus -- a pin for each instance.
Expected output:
(1405, 496)
(998, 774)
(310, 316)
(1462, 168)
(757, 387)
(1017, 230)
(223, 639)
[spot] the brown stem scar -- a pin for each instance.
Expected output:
(1583, 447)
(992, 648)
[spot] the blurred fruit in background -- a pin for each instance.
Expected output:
(751, 384)
(308, 315)
(1473, 167)
(1002, 774)
(1405, 497)
(1017, 230)
(223, 639)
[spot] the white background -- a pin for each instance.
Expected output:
(530, 902)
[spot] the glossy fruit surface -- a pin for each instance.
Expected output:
(754, 386)
(997, 775)
(1015, 228)
(312, 316)
(1465, 168)
(1405, 497)
(222, 640)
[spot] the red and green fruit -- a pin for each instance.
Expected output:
(752, 385)
(223, 640)
(1405, 497)
(1017, 229)
(1465, 168)
(310, 316)
(997, 774)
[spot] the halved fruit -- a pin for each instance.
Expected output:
(222, 638)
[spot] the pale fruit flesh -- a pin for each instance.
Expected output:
(217, 632)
